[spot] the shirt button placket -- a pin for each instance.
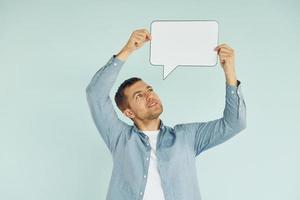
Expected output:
(145, 176)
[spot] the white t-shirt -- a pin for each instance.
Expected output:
(153, 188)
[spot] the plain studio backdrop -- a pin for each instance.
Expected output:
(49, 51)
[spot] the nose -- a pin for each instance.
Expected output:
(148, 95)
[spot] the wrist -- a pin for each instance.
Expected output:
(231, 81)
(231, 78)
(123, 54)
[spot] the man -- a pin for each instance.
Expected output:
(152, 160)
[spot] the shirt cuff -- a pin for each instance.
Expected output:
(234, 96)
(116, 60)
(234, 90)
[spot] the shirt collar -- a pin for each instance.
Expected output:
(161, 126)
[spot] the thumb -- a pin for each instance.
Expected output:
(148, 37)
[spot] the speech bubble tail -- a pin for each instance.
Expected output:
(167, 70)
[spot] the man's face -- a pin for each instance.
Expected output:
(143, 101)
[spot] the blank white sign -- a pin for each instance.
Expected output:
(183, 42)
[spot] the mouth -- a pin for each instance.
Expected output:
(154, 103)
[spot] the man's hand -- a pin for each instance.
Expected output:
(136, 40)
(226, 57)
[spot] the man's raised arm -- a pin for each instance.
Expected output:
(204, 135)
(104, 116)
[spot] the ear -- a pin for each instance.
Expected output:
(128, 113)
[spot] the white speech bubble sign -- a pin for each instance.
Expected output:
(183, 42)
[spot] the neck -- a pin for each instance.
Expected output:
(148, 125)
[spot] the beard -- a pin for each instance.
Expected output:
(154, 114)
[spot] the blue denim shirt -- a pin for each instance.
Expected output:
(177, 147)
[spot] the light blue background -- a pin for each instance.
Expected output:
(49, 51)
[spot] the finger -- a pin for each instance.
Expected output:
(224, 50)
(140, 37)
(148, 35)
(222, 46)
(142, 31)
(146, 31)
(217, 47)
(225, 56)
(141, 34)
(144, 37)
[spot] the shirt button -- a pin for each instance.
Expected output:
(115, 64)
(141, 193)
(232, 91)
(147, 158)
(147, 144)
(145, 176)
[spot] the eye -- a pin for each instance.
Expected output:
(138, 96)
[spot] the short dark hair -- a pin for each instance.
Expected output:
(120, 97)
